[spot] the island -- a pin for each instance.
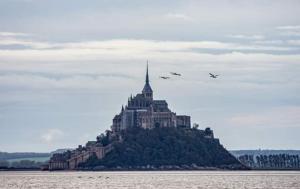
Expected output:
(147, 135)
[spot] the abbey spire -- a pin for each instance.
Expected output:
(147, 75)
(147, 91)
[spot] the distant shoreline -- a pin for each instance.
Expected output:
(21, 169)
(139, 170)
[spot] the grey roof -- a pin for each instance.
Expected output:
(160, 102)
(147, 88)
(160, 106)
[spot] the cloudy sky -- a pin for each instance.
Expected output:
(66, 67)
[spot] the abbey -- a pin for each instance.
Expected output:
(145, 112)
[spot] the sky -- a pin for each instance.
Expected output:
(66, 68)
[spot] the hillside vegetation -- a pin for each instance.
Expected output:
(166, 147)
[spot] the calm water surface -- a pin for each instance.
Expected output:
(159, 179)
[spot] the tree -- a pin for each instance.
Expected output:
(195, 126)
(4, 164)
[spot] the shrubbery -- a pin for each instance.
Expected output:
(165, 146)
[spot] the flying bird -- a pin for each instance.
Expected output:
(213, 75)
(164, 77)
(174, 73)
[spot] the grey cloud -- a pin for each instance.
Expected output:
(12, 34)
(294, 42)
(295, 27)
(242, 36)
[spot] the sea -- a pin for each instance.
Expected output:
(151, 179)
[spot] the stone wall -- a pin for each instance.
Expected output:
(78, 157)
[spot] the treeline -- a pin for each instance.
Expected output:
(267, 152)
(275, 161)
(22, 164)
(165, 146)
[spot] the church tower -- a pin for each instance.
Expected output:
(147, 91)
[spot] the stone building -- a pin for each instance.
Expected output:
(82, 154)
(72, 159)
(143, 111)
(58, 161)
